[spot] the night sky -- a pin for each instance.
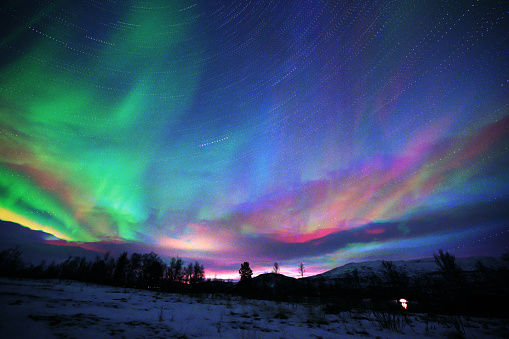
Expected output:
(321, 132)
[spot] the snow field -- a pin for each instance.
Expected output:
(56, 309)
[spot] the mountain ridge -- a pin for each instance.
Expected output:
(415, 266)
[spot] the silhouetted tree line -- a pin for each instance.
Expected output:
(483, 291)
(139, 270)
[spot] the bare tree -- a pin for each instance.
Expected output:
(275, 269)
(198, 273)
(175, 270)
(188, 273)
(301, 270)
(153, 269)
(120, 273)
(448, 267)
(10, 261)
(392, 274)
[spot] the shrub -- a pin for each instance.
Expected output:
(388, 320)
(282, 312)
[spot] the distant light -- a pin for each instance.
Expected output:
(403, 303)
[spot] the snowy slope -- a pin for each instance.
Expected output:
(410, 267)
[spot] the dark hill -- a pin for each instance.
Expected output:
(272, 286)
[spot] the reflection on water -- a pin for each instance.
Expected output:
(403, 303)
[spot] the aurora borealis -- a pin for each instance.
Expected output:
(320, 132)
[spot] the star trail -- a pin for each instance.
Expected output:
(320, 132)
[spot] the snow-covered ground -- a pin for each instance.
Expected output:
(53, 308)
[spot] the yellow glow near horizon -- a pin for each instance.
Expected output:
(13, 217)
